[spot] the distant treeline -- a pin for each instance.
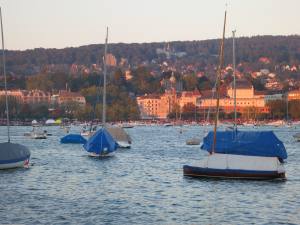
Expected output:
(280, 49)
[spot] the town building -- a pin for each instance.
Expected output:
(245, 99)
(294, 95)
(111, 60)
(160, 106)
(29, 97)
(36, 97)
(32, 97)
(65, 96)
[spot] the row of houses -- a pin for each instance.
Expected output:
(41, 97)
(160, 106)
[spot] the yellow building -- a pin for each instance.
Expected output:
(160, 106)
(29, 97)
(245, 98)
(294, 95)
(188, 97)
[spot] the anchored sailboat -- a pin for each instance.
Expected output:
(101, 143)
(11, 155)
(239, 154)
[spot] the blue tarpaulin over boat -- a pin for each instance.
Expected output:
(253, 143)
(101, 143)
(73, 139)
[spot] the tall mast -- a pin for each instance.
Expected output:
(221, 62)
(234, 78)
(5, 80)
(104, 82)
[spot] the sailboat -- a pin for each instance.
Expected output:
(238, 154)
(101, 143)
(11, 155)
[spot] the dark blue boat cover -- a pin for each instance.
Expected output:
(253, 143)
(73, 139)
(101, 142)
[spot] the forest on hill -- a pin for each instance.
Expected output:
(280, 49)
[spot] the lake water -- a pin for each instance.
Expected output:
(141, 185)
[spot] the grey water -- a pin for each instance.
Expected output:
(141, 185)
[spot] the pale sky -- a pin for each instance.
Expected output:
(70, 23)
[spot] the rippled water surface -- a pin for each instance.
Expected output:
(141, 185)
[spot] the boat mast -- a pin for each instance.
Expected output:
(5, 80)
(104, 82)
(234, 78)
(221, 62)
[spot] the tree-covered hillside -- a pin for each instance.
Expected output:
(280, 49)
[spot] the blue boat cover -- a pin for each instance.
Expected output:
(73, 139)
(253, 143)
(101, 143)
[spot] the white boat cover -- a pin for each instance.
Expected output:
(119, 134)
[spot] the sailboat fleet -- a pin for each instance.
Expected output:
(232, 153)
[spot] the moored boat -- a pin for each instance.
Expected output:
(193, 141)
(101, 144)
(241, 155)
(12, 155)
(73, 139)
(238, 154)
(120, 136)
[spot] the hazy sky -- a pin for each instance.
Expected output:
(64, 23)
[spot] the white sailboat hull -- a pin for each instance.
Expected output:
(237, 166)
(103, 155)
(22, 163)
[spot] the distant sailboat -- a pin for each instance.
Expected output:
(11, 155)
(239, 154)
(102, 143)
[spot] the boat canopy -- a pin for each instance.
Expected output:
(101, 142)
(252, 143)
(11, 153)
(73, 139)
(119, 134)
